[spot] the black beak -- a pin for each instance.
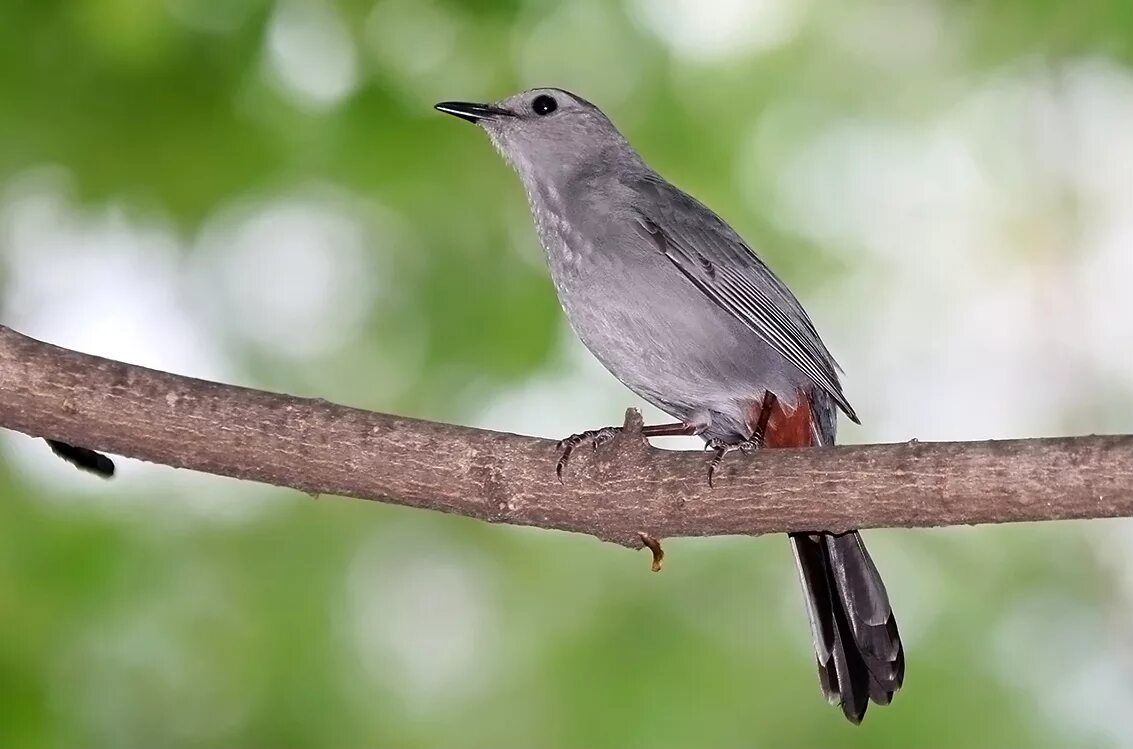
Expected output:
(471, 112)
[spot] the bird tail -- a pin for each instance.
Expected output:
(856, 642)
(81, 457)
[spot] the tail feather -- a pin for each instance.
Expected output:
(81, 457)
(856, 643)
(857, 646)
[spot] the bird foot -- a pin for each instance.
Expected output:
(596, 438)
(721, 448)
(748, 446)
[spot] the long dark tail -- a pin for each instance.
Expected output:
(859, 651)
(81, 457)
(855, 635)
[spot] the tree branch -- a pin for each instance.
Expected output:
(616, 494)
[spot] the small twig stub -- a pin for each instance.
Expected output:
(654, 546)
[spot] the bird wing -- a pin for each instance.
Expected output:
(718, 262)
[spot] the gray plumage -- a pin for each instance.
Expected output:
(680, 309)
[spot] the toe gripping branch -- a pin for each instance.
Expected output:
(748, 446)
(633, 430)
(594, 437)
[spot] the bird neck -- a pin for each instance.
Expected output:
(574, 174)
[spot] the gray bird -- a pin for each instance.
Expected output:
(677, 306)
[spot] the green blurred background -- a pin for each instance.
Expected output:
(259, 192)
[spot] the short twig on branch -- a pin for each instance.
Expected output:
(654, 546)
(626, 492)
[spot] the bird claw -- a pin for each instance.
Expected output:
(720, 448)
(596, 438)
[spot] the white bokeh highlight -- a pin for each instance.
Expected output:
(716, 31)
(295, 275)
(310, 54)
(978, 279)
(420, 616)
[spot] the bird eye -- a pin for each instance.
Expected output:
(543, 105)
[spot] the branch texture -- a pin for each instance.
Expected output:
(618, 493)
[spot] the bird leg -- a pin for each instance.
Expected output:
(760, 431)
(598, 437)
(748, 446)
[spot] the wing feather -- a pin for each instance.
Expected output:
(718, 262)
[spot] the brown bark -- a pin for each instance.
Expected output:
(616, 494)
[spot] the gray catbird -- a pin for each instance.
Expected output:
(674, 303)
